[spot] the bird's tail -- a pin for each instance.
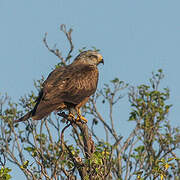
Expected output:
(38, 112)
(25, 117)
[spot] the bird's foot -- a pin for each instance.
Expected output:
(71, 116)
(81, 118)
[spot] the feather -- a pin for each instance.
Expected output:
(67, 87)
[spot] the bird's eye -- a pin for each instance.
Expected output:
(92, 56)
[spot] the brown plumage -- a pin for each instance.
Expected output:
(67, 87)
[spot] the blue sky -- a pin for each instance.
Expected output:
(136, 37)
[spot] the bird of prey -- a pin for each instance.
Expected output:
(68, 87)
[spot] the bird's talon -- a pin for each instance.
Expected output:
(81, 118)
(71, 116)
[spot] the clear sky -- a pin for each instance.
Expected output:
(136, 37)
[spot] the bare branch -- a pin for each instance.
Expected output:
(54, 51)
(69, 38)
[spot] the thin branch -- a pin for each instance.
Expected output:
(69, 38)
(126, 143)
(102, 120)
(54, 51)
(129, 156)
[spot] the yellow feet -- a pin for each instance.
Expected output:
(71, 116)
(81, 118)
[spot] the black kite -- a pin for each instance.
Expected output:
(68, 87)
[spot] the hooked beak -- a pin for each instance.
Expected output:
(102, 61)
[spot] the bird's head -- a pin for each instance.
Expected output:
(89, 57)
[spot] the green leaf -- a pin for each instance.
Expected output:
(25, 164)
(29, 149)
(170, 159)
(4, 173)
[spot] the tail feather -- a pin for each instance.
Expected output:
(25, 117)
(40, 112)
(43, 110)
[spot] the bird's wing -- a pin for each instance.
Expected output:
(54, 84)
(71, 84)
(82, 84)
(48, 99)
